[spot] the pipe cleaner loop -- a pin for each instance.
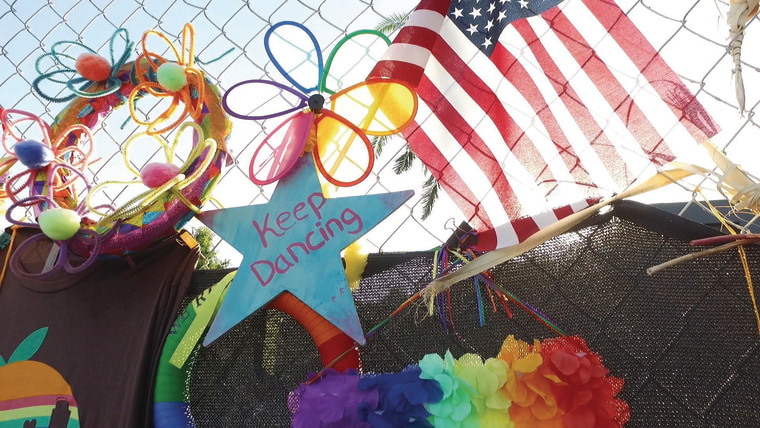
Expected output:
(59, 224)
(87, 76)
(48, 163)
(178, 81)
(199, 159)
(332, 125)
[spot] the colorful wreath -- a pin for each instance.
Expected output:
(59, 158)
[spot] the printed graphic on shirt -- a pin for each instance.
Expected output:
(33, 394)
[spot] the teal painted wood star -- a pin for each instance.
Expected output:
(293, 244)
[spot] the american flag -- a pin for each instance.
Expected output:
(532, 109)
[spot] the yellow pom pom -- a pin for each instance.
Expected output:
(356, 261)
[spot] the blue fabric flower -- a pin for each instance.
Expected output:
(402, 398)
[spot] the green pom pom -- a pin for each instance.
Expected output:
(59, 224)
(171, 76)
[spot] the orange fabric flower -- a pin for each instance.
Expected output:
(533, 403)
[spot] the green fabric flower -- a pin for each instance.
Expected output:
(455, 409)
(487, 396)
(473, 393)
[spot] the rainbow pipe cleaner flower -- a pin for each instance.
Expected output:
(48, 164)
(59, 224)
(374, 107)
(52, 168)
(179, 81)
(96, 76)
(555, 383)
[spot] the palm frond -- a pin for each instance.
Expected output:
(404, 161)
(429, 195)
(393, 22)
(378, 143)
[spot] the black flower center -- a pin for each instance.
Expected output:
(316, 102)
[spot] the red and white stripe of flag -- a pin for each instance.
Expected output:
(572, 105)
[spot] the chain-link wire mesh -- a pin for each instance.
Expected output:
(691, 36)
(230, 46)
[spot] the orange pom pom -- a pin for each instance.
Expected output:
(93, 67)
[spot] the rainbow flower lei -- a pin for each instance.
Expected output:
(558, 382)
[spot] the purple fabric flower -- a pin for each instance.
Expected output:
(333, 401)
(402, 398)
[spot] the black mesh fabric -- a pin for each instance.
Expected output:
(684, 340)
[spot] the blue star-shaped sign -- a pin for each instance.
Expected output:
(293, 244)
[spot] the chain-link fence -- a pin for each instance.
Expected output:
(691, 36)
(690, 371)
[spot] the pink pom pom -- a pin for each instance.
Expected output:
(93, 67)
(156, 174)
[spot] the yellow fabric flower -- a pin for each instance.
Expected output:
(486, 395)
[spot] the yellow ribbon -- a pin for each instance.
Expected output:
(736, 185)
(501, 255)
(204, 308)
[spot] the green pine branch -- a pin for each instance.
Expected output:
(378, 143)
